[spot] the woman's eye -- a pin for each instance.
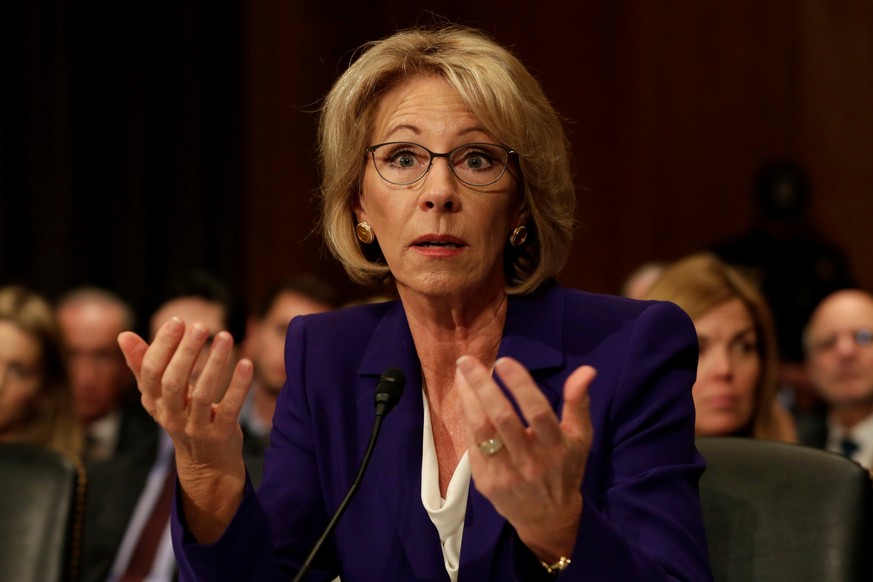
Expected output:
(404, 160)
(476, 160)
(20, 371)
(747, 347)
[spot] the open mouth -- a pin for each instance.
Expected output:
(448, 245)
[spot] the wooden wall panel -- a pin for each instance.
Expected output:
(671, 107)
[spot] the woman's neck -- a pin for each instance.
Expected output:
(444, 329)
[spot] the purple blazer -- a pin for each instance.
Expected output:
(641, 518)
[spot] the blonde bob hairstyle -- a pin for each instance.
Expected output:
(503, 96)
(702, 282)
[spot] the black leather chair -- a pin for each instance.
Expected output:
(776, 512)
(41, 509)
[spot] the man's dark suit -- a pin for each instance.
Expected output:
(115, 485)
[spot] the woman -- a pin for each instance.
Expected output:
(735, 391)
(36, 405)
(446, 173)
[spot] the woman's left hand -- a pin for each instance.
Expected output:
(534, 481)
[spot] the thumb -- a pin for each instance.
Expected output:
(134, 348)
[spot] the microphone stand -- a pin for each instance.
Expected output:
(388, 391)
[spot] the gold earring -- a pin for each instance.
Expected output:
(365, 233)
(518, 236)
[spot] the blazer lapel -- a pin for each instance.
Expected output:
(397, 456)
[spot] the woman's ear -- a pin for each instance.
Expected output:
(522, 216)
(358, 208)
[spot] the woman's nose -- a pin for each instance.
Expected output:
(440, 188)
(720, 364)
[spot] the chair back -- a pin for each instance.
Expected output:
(776, 512)
(41, 510)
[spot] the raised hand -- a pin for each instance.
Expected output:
(200, 414)
(531, 474)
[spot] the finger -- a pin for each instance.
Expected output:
(175, 381)
(497, 409)
(233, 400)
(158, 356)
(576, 414)
(134, 348)
(534, 406)
(208, 388)
(475, 415)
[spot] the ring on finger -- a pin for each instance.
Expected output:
(491, 447)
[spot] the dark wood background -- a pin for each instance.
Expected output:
(139, 140)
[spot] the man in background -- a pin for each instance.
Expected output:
(265, 343)
(839, 354)
(104, 396)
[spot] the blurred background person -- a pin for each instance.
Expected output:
(265, 344)
(641, 279)
(735, 393)
(103, 390)
(839, 356)
(36, 405)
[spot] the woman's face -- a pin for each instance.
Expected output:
(439, 236)
(728, 369)
(20, 374)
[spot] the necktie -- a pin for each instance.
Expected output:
(147, 546)
(849, 447)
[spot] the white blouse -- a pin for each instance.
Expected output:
(446, 514)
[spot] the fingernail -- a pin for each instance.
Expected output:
(175, 325)
(198, 331)
(465, 365)
(221, 341)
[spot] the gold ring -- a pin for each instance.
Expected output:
(491, 447)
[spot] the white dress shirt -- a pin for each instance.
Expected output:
(446, 514)
(861, 433)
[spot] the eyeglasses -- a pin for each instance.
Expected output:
(861, 337)
(474, 164)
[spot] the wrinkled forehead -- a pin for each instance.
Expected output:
(423, 104)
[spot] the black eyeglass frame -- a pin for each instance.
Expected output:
(862, 337)
(447, 155)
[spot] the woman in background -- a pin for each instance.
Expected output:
(735, 391)
(36, 404)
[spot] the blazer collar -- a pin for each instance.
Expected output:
(533, 335)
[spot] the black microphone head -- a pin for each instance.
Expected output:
(389, 390)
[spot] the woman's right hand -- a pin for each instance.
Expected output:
(202, 418)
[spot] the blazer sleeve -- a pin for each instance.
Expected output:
(273, 530)
(641, 517)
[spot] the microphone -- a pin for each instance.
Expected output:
(389, 389)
